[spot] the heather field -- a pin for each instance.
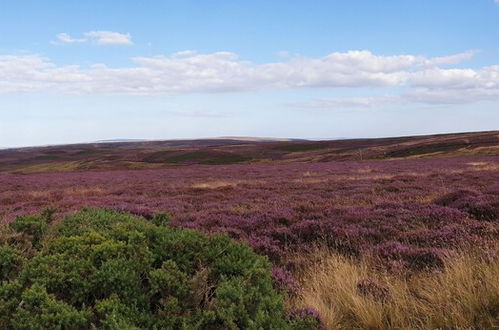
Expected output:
(381, 243)
(352, 206)
(249, 165)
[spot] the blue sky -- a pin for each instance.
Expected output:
(91, 70)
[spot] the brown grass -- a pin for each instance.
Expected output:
(72, 191)
(465, 295)
(48, 167)
(88, 191)
(215, 184)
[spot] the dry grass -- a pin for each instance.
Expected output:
(85, 191)
(465, 295)
(72, 191)
(215, 184)
(65, 166)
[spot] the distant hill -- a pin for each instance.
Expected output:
(125, 154)
(120, 140)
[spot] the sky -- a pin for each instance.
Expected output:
(81, 71)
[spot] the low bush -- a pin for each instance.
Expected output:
(481, 206)
(102, 269)
(397, 257)
(32, 226)
(11, 262)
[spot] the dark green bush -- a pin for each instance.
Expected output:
(101, 269)
(34, 226)
(161, 219)
(11, 261)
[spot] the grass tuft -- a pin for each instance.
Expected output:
(464, 295)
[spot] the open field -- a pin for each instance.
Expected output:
(414, 215)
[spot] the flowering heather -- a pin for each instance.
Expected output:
(405, 212)
(370, 288)
(284, 281)
(312, 314)
(398, 256)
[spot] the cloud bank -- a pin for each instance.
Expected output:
(421, 79)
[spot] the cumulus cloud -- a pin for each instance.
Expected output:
(35, 73)
(109, 38)
(420, 78)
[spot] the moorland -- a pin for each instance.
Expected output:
(383, 233)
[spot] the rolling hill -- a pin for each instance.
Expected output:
(231, 150)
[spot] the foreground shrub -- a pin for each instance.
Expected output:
(109, 270)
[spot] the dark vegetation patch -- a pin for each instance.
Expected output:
(342, 150)
(299, 147)
(90, 151)
(226, 158)
(158, 156)
(207, 158)
(54, 152)
(190, 157)
(46, 157)
(421, 150)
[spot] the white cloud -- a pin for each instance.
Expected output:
(97, 37)
(184, 53)
(35, 73)
(66, 38)
(452, 59)
(449, 78)
(109, 38)
(419, 78)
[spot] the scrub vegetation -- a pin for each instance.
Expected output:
(108, 270)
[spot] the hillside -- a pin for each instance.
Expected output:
(159, 154)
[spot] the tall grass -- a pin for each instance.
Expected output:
(353, 295)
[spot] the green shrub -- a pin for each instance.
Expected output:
(40, 310)
(11, 261)
(34, 226)
(107, 270)
(161, 219)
